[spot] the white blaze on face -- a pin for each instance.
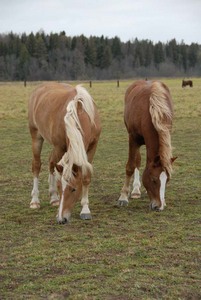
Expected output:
(64, 184)
(163, 180)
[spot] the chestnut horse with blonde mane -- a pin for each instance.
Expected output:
(67, 118)
(148, 118)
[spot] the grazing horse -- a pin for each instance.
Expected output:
(67, 118)
(148, 118)
(187, 82)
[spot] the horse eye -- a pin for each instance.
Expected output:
(73, 190)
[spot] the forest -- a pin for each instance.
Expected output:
(57, 56)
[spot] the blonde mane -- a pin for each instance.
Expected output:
(76, 153)
(161, 115)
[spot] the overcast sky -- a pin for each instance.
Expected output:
(155, 20)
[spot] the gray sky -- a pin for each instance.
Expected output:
(155, 20)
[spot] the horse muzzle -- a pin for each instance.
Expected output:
(155, 206)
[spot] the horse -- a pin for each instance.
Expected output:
(187, 82)
(148, 114)
(67, 118)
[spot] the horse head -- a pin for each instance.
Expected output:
(70, 192)
(155, 178)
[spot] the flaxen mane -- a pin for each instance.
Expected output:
(76, 153)
(161, 115)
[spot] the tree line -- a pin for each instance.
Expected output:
(56, 56)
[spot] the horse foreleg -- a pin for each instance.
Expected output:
(136, 182)
(85, 212)
(54, 198)
(123, 199)
(136, 185)
(55, 156)
(35, 202)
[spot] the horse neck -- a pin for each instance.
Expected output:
(151, 153)
(160, 146)
(152, 145)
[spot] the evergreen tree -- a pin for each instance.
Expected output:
(159, 56)
(193, 55)
(23, 62)
(116, 48)
(31, 44)
(58, 56)
(172, 51)
(183, 56)
(90, 52)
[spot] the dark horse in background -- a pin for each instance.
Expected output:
(187, 82)
(148, 117)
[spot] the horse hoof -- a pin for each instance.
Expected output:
(85, 216)
(34, 205)
(122, 203)
(135, 196)
(55, 203)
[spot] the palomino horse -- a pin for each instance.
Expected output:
(148, 119)
(68, 119)
(187, 82)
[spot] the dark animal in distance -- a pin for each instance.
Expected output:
(187, 82)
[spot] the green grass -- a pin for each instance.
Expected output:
(122, 253)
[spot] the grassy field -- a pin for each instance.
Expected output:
(123, 252)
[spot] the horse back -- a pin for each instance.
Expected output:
(137, 116)
(136, 107)
(47, 108)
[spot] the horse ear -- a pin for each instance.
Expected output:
(59, 168)
(173, 159)
(157, 161)
(79, 106)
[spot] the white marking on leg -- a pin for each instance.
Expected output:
(53, 189)
(85, 201)
(35, 202)
(163, 179)
(123, 199)
(64, 184)
(136, 185)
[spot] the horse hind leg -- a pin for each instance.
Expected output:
(37, 143)
(130, 167)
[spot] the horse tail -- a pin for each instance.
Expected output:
(161, 114)
(76, 153)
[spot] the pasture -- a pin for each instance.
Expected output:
(123, 252)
